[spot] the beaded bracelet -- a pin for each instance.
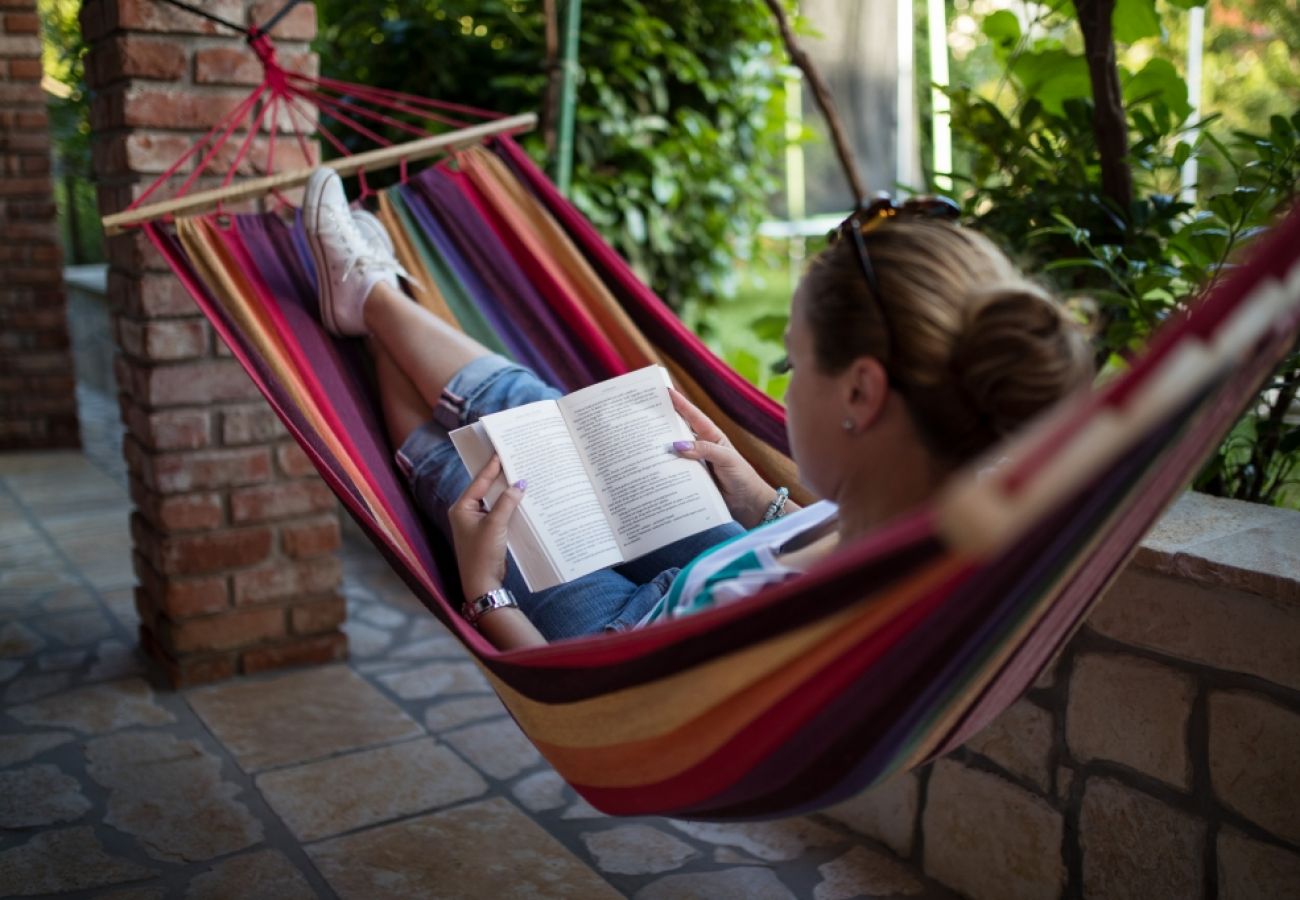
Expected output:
(774, 508)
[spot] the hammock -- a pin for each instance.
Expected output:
(893, 652)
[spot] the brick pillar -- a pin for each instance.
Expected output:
(38, 402)
(234, 533)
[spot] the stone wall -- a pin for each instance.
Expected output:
(234, 534)
(38, 405)
(1159, 755)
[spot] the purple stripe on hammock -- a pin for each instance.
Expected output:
(338, 369)
(566, 364)
(498, 310)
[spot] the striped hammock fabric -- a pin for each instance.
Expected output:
(893, 651)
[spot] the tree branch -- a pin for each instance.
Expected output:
(823, 96)
(551, 65)
(1108, 122)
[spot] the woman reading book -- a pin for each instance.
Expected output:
(913, 343)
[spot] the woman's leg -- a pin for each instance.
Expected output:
(425, 349)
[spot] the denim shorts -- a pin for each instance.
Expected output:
(611, 599)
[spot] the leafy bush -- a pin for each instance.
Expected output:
(679, 116)
(1034, 184)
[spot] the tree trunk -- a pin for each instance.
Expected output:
(551, 98)
(1108, 122)
(822, 94)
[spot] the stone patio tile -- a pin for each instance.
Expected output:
(750, 883)
(58, 660)
(115, 659)
(434, 679)
(777, 841)
(70, 859)
(18, 748)
(68, 600)
(499, 748)
(39, 795)
(97, 710)
(540, 791)
(637, 850)
(170, 795)
(365, 640)
(9, 668)
(31, 549)
(865, 872)
(34, 578)
(440, 645)
(75, 629)
(264, 875)
(484, 850)
(29, 687)
(454, 713)
(381, 616)
(300, 716)
(326, 798)
(17, 642)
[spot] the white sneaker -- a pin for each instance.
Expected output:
(373, 230)
(347, 265)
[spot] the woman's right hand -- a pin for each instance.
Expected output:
(745, 491)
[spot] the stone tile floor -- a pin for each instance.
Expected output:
(397, 774)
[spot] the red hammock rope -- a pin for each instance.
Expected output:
(292, 103)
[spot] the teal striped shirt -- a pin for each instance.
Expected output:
(737, 568)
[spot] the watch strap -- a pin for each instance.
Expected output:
(498, 598)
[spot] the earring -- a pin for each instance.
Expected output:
(848, 424)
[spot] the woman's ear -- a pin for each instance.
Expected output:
(866, 387)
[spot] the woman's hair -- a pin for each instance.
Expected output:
(974, 347)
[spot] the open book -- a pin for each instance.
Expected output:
(604, 485)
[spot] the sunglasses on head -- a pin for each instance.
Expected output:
(868, 216)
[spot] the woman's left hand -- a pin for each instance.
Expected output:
(479, 535)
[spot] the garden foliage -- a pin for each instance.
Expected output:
(1034, 185)
(679, 115)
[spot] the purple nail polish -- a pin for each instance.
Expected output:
(521, 483)
(679, 446)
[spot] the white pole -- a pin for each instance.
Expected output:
(1195, 52)
(940, 118)
(905, 136)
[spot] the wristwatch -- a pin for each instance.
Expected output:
(498, 598)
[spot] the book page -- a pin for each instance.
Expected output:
(534, 444)
(525, 545)
(624, 429)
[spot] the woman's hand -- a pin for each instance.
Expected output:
(479, 536)
(745, 491)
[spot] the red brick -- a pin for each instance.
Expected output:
(315, 538)
(227, 631)
(179, 473)
(317, 650)
(180, 512)
(279, 500)
(226, 65)
(25, 69)
(16, 94)
(287, 579)
(190, 670)
(22, 23)
(187, 384)
(298, 25)
(293, 460)
(316, 616)
(149, 296)
(172, 340)
(178, 598)
(249, 425)
(20, 46)
(133, 56)
(149, 15)
(213, 551)
(158, 107)
(173, 429)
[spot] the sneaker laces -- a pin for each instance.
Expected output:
(364, 259)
